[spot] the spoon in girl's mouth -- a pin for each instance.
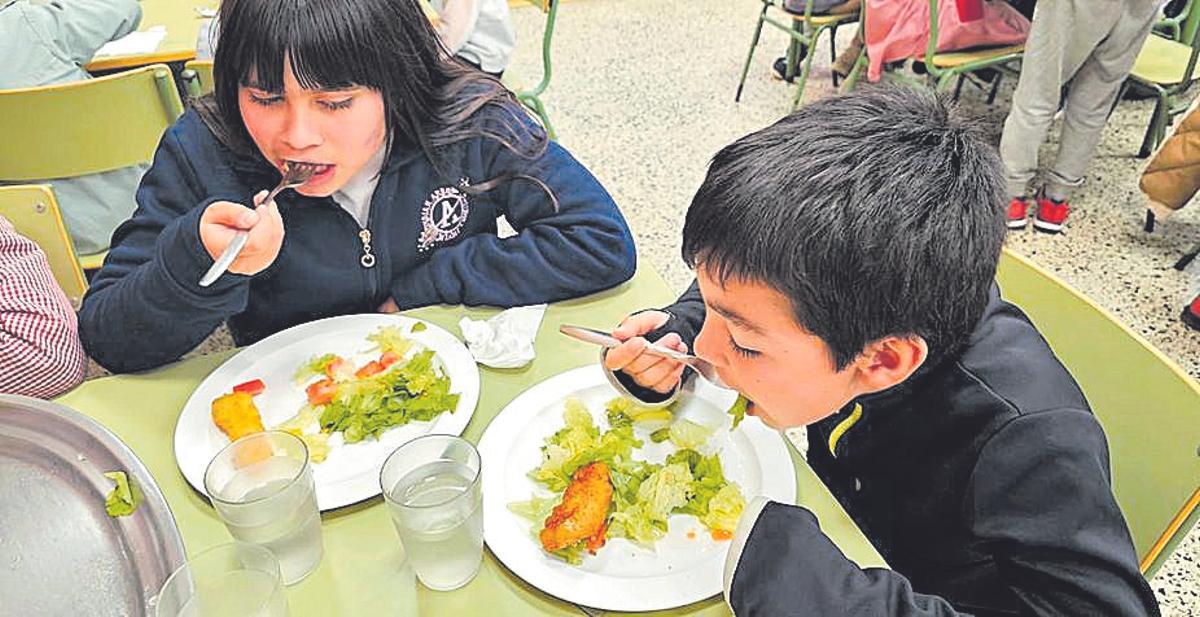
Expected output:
(297, 174)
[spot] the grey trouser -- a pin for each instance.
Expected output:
(1090, 43)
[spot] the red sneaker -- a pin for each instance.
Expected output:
(1018, 213)
(1051, 215)
(1191, 314)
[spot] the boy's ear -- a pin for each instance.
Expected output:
(889, 361)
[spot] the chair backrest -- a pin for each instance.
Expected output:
(1149, 407)
(85, 127)
(197, 77)
(33, 211)
(1173, 26)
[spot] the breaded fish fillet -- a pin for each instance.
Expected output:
(583, 511)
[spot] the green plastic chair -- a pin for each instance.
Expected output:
(1149, 407)
(802, 29)
(1173, 27)
(531, 96)
(947, 67)
(86, 127)
(1166, 68)
(197, 78)
(33, 211)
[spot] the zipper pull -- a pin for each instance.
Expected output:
(368, 259)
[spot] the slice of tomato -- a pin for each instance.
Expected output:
(368, 369)
(389, 358)
(253, 388)
(335, 365)
(321, 392)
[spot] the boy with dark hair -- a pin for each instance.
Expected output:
(845, 259)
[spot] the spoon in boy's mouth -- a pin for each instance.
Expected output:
(296, 174)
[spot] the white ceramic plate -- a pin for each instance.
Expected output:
(351, 472)
(621, 576)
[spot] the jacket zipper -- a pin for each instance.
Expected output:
(368, 258)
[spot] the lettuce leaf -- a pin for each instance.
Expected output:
(708, 479)
(578, 443)
(124, 498)
(623, 411)
(725, 509)
(644, 521)
(389, 338)
(416, 391)
(688, 434)
(738, 410)
(314, 367)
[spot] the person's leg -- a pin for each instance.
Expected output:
(1063, 34)
(820, 7)
(1091, 96)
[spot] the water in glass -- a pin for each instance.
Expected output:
(291, 529)
(440, 523)
(239, 592)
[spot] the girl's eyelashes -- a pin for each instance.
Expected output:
(336, 105)
(744, 352)
(265, 100)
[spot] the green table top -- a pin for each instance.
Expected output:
(363, 570)
(182, 21)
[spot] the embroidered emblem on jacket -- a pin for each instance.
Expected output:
(443, 215)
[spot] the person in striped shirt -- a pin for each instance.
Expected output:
(40, 351)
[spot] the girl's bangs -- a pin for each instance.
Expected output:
(328, 44)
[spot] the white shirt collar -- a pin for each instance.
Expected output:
(355, 196)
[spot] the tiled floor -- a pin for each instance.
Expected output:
(642, 93)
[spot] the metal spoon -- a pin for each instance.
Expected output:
(604, 339)
(296, 174)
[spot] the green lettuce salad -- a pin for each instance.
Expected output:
(645, 494)
(365, 406)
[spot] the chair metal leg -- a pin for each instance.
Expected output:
(1187, 258)
(1120, 95)
(793, 51)
(833, 53)
(1150, 141)
(995, 87)
(1149, 226)
(958, 87)
(750, 54)
(944, 81)
(808, 60)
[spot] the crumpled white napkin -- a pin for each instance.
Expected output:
(506, 340)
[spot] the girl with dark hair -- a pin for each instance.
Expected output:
(415, 156)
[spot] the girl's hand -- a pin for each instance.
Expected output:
(655, 372)
(222, 220)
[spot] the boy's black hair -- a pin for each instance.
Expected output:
(875, 213)
(430, 99)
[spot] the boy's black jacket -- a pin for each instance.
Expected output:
(983, 481)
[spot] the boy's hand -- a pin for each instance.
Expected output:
(653, 372)
(222, 220)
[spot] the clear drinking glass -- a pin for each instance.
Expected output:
(227, 579)
(433, 493)
(262, 488)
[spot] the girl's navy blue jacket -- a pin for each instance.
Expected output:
(427, 241)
